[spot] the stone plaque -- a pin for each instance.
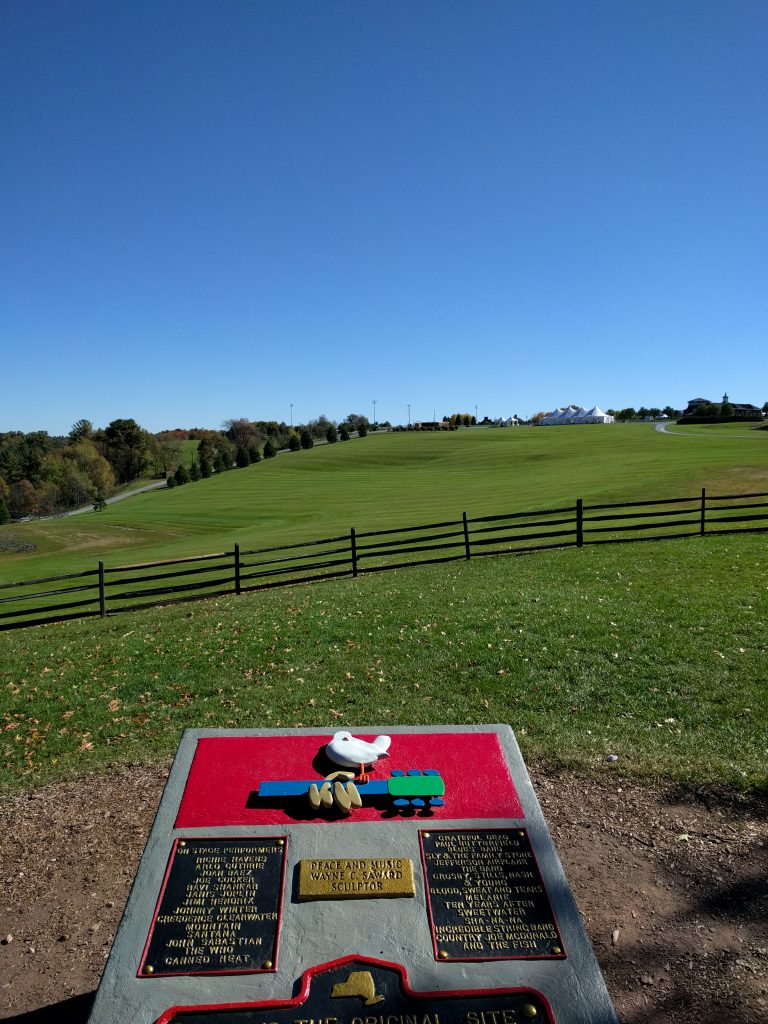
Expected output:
(361, 878)
(241, 912)
(486, 898)
(219, 910)
(363, 992)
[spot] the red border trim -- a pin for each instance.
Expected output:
(355, 958)
(183, 974)
(482, 959)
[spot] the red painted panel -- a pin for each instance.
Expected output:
(226, 772)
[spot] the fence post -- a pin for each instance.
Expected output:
(579, 522)
(237, 568)
(102, 593)
(703, 508)
(353, 547)
(466, 535)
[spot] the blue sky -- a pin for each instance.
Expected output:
(212, 210)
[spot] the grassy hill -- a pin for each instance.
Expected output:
(397, 479)
(655, 652)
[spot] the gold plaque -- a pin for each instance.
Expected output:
(356, 878)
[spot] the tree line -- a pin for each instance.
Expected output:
(44, 475)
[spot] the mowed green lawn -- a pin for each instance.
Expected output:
(654, 652)
(387, 480)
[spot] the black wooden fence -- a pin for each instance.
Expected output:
(104, 590)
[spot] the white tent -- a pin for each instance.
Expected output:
(596, 415)
(576, 414)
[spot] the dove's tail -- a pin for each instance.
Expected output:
(382, 745)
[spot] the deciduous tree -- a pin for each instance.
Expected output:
(355, 420)
(240, 431)
(24, 499)
(127, 449)
(167, 452)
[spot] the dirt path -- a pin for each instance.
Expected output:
(673, 889)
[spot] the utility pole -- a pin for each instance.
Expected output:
(409, 414)
(475, 412)
(291, 415)
(374, 414)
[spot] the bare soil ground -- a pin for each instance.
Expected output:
(672, 885)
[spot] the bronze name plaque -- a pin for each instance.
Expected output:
(486, 897)
(219, 909)
(355, 878)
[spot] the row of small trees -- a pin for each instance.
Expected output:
(246, 455)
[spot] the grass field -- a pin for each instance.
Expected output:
(397, 479)
(655, 652)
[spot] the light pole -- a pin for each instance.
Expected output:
(409, 414)
(475, 412)
(291, 415)
(374, 413)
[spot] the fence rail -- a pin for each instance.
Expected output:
(131, 587)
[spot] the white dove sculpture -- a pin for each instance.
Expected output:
(351, 752)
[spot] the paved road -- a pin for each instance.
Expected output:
(109, 501)
(663, 428)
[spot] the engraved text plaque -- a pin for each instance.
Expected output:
(486, 897)
(219, 910)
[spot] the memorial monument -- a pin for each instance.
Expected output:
(299, 877)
